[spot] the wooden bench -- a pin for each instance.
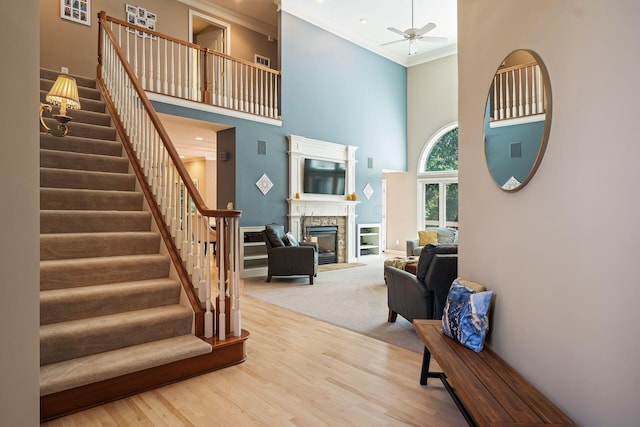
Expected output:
(485, 388)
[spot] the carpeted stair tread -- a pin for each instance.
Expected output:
(91, 245)
(82, 161)
(86, 370)
(83, 221)
(71, 273)
(48, 74)
(62, 305)
(85, 130)
(76, 144)
(89, 180)
(78, 199)
(83, 337)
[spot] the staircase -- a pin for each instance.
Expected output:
(111, 322)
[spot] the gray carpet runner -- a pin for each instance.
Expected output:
(107, 304)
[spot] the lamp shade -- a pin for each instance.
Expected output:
(64, 92)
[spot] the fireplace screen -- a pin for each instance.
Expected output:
(326, 236)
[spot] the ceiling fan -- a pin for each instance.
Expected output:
(413, 34)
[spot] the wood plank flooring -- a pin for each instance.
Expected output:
(299, 372)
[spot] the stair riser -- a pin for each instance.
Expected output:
(69, 246)
(78, 339)
(81, 161)
(75, 144)
(85, 130)
(86, 222)
(60, 198)
(56, 306)
(92, 271)
(64, 178)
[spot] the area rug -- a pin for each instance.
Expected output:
(352, 298)
(338, 266)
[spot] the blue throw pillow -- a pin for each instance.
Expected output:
(465, 315)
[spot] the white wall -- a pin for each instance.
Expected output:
(562, 253)
(432, 102)
(20, 224)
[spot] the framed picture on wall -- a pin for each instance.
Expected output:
(76, 10)
(263, 60)
(142, 18)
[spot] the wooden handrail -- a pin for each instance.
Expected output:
(175, 157)
(516, 67)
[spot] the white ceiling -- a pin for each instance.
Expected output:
(342, 17)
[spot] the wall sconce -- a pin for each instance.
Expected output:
(64, 93)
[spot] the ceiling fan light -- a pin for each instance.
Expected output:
(413, 47)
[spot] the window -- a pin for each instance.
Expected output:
(438, 180)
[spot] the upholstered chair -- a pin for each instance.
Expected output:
(285, 258)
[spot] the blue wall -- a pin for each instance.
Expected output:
(332, 90)
(497, 149)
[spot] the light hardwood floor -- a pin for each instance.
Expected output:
(298, 372)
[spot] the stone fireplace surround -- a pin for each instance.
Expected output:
(322, 209)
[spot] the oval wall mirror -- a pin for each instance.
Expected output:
(517, 119)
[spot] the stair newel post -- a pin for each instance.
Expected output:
(235, 277)
(222, 293)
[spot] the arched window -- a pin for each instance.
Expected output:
(438, 180)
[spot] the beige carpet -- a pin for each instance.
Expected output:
(353, 298)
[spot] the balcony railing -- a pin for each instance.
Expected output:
(517, 93)
(172, 67)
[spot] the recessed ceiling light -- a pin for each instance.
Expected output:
(363, 20)
(199, 138)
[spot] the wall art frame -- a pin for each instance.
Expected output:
(76, 11)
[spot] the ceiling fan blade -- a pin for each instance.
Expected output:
(432, 39)
(395, 30)
(424, 30)
(393, 42)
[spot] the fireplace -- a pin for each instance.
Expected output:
(326, 236)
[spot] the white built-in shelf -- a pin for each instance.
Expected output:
(253, 253)
(368, 240)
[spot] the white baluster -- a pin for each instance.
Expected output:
(173, 81)
(540, 89)
(534, 103)
(501, 112)
(275, 101)
(158, 86)
(187, 76)
(508, 98)
(526, 91)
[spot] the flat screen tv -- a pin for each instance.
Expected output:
(323, 177)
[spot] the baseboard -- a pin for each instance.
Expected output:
(224, 354)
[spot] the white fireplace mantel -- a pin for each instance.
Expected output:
(314, 205)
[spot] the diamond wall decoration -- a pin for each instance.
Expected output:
(368, 191)
(264, 184)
